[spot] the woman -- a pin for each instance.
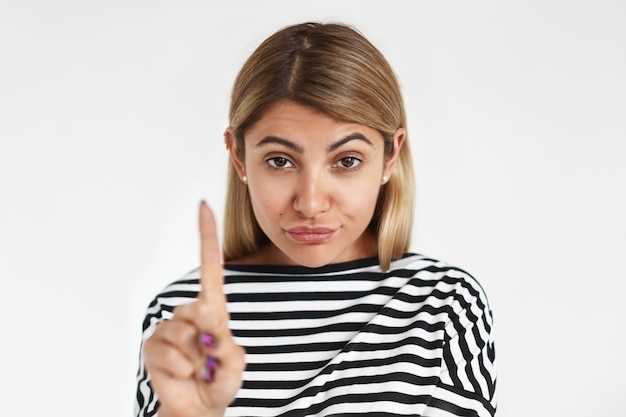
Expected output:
(318, 309)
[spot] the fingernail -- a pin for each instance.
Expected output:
(211, 363)
(206, 374)
(208, 370)
(207, 339)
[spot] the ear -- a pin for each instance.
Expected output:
(398, 140)
(235, 152)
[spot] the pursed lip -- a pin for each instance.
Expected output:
(306, 234)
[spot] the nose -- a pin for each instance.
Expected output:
(312, 194)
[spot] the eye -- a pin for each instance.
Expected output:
(279, 162)
(349, 162)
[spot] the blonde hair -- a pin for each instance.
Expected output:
(334, 69)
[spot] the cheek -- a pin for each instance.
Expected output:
(267, 202)
(358, 199)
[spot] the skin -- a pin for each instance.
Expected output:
(174, 355)
(305, 171)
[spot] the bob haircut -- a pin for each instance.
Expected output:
(331, 68)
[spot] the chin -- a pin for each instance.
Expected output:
(311, 257)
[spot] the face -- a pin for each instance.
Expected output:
(314, 183)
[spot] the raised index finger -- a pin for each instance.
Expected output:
(211, 274)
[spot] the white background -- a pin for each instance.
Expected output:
(111, 121)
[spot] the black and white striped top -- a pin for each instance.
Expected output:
(350, 340)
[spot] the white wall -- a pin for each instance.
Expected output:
(111, 121)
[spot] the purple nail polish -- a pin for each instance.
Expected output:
(207, 339)
(211, 364)
(207, 372)
(206, 375)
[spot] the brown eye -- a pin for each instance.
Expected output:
(349, 162)
(279, 162)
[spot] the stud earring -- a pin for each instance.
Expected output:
(244, 179)
(385, 179)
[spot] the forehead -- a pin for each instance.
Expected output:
(296, 121)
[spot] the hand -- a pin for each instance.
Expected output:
(194, 364)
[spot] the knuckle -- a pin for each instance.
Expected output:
(237, 358)
(170, 358)
(148, 353)
(177, 310)
(203, 309)
(184, 310)
(211, 318)
(150, 345)
(184, 333)
(241, 365)
(175, 363)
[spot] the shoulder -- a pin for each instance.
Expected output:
(447, 282)
(429, 268)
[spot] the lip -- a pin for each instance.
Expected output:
(305, 234)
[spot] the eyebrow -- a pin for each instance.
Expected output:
(297, 148)
(287, 143)
(351, 137)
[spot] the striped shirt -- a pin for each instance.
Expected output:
(350, 340)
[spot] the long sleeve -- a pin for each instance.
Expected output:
(160, 309)
(467, 384)
(350, 339)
